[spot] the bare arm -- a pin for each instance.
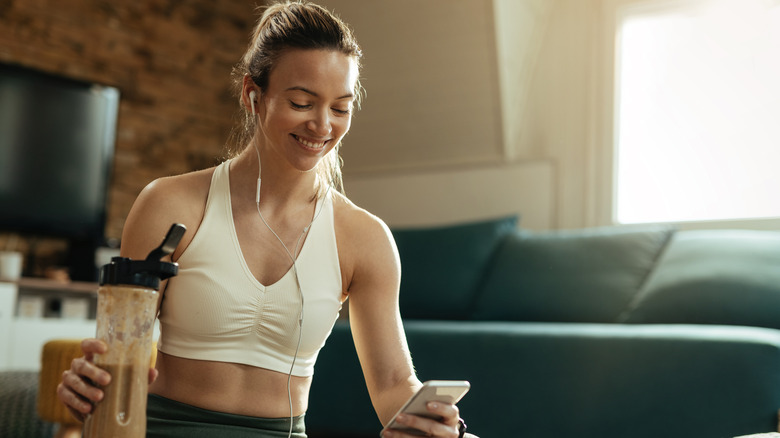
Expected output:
(376, 322)
(378, 333)
(161, 203)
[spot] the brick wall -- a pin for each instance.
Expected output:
(171, 60)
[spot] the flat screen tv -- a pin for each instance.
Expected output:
(57, 140)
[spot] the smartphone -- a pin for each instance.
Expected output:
(445, 391)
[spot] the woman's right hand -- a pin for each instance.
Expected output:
(78, 390)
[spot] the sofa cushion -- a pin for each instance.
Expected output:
(714, 277)
(588, 275)
(441, 267)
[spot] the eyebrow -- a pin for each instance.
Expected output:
(307, 91)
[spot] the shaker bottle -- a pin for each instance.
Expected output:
(127, 306)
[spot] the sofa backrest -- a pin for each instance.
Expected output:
(442, 268)
(587, 275)
(714, 277)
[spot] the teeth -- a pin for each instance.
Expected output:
(310, 144)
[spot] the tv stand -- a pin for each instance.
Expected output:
(22, 335)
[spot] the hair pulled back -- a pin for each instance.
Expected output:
(294, 25)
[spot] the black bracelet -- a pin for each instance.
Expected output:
(461, 427)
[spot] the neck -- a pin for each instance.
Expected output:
(280, 185)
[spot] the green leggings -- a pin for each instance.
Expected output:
(171, 419)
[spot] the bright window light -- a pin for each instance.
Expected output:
(698, 112)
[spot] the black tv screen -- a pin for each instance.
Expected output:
(57, 140)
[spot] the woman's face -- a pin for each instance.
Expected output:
(307, 108)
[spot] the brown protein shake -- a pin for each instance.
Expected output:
(127, 309)
(126, 319)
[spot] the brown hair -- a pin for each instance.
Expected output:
(294, 25)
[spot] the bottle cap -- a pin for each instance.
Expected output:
(146, 273)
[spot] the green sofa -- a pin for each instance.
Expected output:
(630, 331)
(614, 332)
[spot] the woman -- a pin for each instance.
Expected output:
(264, 267)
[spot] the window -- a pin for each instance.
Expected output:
(698, 112)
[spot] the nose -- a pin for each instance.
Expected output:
(320, 123)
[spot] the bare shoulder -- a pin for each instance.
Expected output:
(163, 202)
(363, 227)
(182, 191)
(366, 245)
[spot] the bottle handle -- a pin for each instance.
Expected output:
(169, 244)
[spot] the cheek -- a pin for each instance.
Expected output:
(280, 112)
(344, 126)
(286, 120)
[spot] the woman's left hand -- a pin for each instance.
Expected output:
(448, 426)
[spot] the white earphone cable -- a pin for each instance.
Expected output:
(293, 257)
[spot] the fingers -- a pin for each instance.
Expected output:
(83, 369)
(77, 405)
(92, 346)
(77, 389)
(77, 395)
(450, 413)
(153, 373)
(446, 427)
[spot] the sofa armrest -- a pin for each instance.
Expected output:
(584, 380)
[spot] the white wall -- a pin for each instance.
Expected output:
(520, 28)
(430, 72)
(560, 123)
(440, 117)
(450, 196)
(470, 87)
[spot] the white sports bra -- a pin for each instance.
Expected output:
(215, 309)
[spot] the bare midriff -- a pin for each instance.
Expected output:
(230, 387)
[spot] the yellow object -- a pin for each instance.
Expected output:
(56, 357)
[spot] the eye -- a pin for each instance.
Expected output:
(341, 111)
(299, 106)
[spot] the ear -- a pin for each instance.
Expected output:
(249, 95)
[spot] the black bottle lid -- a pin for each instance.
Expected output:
(146, 273)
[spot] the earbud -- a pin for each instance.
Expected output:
(253, 98)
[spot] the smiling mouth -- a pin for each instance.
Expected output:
(310, 144)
